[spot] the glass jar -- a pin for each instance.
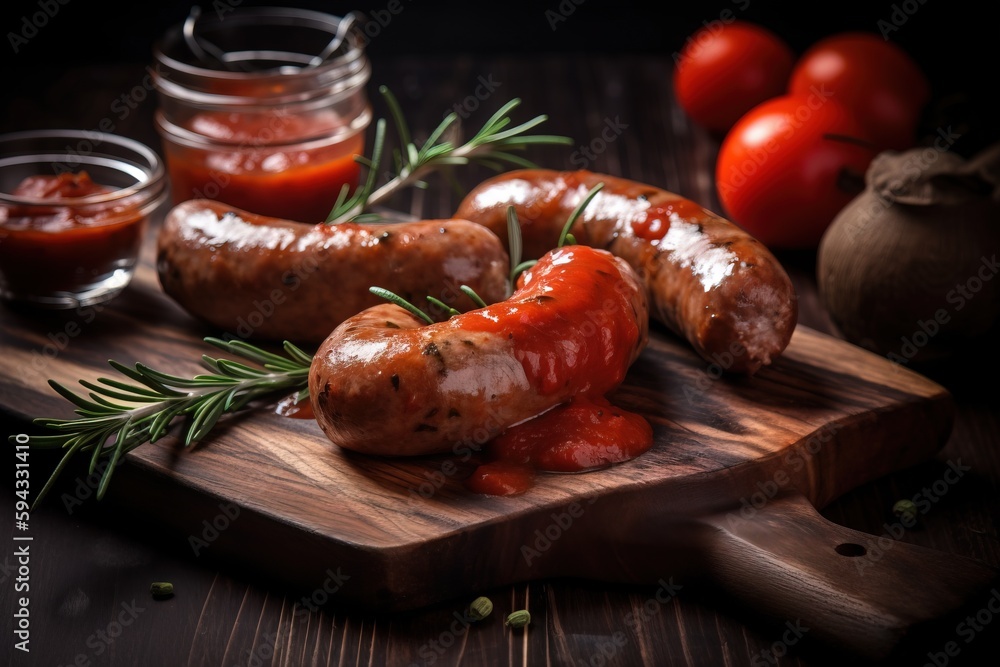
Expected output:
(74, 207)
(251, 115)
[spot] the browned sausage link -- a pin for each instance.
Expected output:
(708, 280)
(266, 278)
(387, 383)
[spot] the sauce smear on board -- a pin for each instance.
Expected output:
(584, 434)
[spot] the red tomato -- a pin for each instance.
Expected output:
(874, 78)
(780, 169)
(725, 69)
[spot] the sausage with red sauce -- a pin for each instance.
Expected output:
(708, 280)
(385, 382)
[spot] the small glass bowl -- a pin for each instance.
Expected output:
(61, 250)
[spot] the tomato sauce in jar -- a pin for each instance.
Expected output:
(264, 125)
(281, 178)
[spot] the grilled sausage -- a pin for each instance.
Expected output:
(385, 382)
(708, 280)
(267, 278)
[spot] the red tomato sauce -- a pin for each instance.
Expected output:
(654, 225)
(261, 164)
(67, 245)
(584, 434)
(584, 350)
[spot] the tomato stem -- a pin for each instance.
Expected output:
(847, 139)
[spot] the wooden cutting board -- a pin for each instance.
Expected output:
(728, 492)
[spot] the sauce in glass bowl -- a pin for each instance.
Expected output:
(72, 223)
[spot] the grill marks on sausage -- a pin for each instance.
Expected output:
(431, 350)
(395, 381)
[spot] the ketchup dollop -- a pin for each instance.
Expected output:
(584, 434)
(62, 244)
(655, 222)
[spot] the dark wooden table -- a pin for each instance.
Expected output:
(91, 564)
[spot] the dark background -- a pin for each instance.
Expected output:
(942, 34)
(954, 42)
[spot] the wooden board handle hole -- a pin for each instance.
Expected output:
(850, 549)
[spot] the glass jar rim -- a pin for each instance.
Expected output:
(301, 18)
(150, 176)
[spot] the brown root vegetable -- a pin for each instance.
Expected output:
(909, 269)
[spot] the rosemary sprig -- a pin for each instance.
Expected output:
(452, 312)
(471, 293)
(120, 416)
(392, 297)
(565, 237)
(514, 243)
(491, 146)
(516, 247)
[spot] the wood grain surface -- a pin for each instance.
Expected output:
(96, 560)
(823, 419)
